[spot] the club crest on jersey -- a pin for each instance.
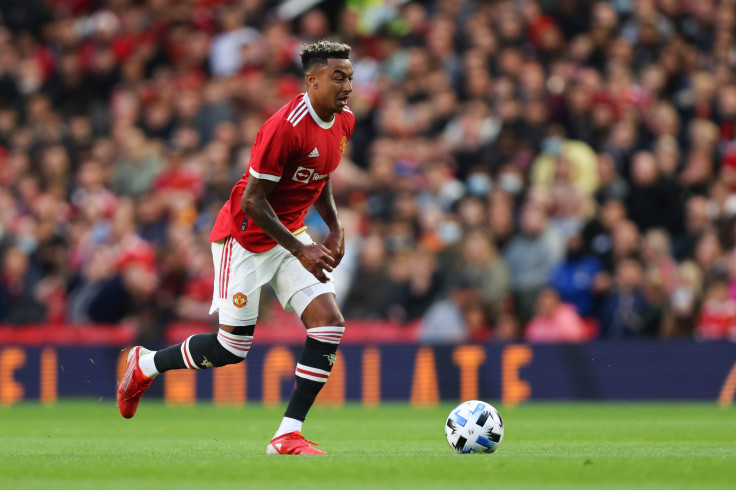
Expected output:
(239, 300)
(343, 144)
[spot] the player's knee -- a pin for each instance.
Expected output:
(336, 320)
(323, 318)
(223, 357)
(233, 347)
(322, 311)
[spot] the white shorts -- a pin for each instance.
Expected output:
(239, 275)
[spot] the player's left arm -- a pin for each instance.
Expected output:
(325, 206)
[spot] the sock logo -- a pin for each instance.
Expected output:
(239, 300)
(206, 363)
(331, 358)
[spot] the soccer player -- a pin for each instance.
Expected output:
(259, 237)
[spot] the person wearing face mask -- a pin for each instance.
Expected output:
(511, 181)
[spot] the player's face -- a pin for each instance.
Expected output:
(331, 87)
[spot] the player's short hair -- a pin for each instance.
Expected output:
(318, 53)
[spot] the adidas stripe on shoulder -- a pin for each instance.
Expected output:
(298, 113)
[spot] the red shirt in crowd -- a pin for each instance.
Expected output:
(717, 320)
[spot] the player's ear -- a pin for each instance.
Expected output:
(312, 78)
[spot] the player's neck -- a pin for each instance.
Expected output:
(326, 115)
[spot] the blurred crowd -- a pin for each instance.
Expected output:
(520, 169)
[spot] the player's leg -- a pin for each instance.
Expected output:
(314, 302)
(229, 345)
(206, 350)
(325, 327)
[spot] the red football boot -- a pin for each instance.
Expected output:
(292, 443)
(133, 384)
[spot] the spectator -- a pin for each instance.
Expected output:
(579, 159)
(598, 232)
(98, 294)
(661, 269)
(234, 46)
(710, 257)
(717, 318)
(611, 185)
(697, 222)
(698, 170)
(554, 321)
(680, 315)
(626, 242)
(19, 302)
(501, 217)
(449, 320)
(416, 282)
(574, 279)
(368, 294)
(652, 200)
(626, 312)
(483, 266)
(507, 328)
(138, 166)
(531, 254)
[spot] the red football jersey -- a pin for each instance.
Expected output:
(299, 151)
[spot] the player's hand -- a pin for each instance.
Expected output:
(335, 243)
(317, 259)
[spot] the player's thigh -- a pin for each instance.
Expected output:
(239, 275)
(296, 287)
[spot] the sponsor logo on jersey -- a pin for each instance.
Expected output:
(304, 175)
(314, 153)
(239, 300)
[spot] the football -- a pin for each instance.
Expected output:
(474, 427)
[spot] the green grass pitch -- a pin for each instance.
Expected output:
(87, 445)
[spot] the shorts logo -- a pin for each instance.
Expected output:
(303, 174)
(239, 300)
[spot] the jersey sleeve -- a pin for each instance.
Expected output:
(350, 122)
(274, 144)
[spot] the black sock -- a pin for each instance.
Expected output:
(312, 372)
(206, 350)
(169, 358)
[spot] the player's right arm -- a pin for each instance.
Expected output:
(316, 258)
